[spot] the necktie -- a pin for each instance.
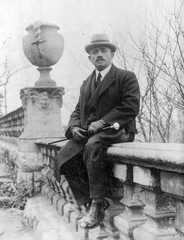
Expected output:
(98, 81)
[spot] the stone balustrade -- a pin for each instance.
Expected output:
(12, 125)
(153, 190)
(152, 177)
(150, 200)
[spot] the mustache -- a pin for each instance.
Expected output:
(99, 59)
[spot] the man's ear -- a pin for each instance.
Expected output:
(89, 58)
(112, 55)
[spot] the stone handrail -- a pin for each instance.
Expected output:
(152, 176)
(12, 125)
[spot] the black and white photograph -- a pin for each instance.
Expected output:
(92, 120)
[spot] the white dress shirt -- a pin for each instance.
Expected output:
(103, 72)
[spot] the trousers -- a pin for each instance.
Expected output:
(89, 173)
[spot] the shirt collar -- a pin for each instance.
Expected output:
(103, 72)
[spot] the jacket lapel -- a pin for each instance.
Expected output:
(89, 86)
(106, 83)
(108, 80)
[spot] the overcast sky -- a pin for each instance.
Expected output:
(78, 21)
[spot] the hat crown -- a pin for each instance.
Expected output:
(99, 38)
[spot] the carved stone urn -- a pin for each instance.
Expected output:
(43, 47)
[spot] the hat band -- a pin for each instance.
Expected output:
(105, 41)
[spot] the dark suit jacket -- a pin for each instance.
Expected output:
(116, 100)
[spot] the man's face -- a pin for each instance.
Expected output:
(101, 57)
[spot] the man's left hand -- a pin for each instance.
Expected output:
(96, 127)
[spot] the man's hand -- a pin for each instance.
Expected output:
(79, 134)
(96, 127)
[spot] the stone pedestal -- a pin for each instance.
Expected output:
(42, 117)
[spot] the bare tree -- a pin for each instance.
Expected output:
(7, 71)
(158, 57)
(4, 80)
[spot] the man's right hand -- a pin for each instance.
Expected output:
(79, 134)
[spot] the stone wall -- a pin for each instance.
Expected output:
(150, 202)
(149, 199)
(27, 167)
(152, 178)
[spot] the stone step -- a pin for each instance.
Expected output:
(46, 222)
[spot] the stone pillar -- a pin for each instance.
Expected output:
(42, 120)
(159, 208)
(42, 117)
(132, 215)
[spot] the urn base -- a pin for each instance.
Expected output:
(45, 79)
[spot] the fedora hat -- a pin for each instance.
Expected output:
(100, 40)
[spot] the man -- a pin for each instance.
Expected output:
(109, 95)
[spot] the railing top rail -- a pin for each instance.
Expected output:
(165, 156)
(20, 109)
(46, 142)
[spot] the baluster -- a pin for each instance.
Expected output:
(132, 215)
(172, 184)
(159, 208)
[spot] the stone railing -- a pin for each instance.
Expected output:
(12, 125)
(152, 176)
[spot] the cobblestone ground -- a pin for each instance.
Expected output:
(12, 226)
(17, 223)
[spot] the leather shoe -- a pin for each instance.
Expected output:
(95, 215)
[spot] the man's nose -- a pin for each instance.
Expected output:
(99, 53)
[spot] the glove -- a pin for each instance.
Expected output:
(79, 134)
(96, 126)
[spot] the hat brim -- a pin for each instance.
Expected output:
(89, 47)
